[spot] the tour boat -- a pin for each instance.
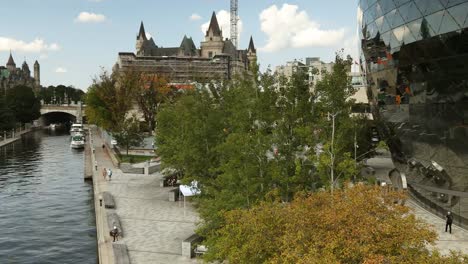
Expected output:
(77, 141)
(76, 129)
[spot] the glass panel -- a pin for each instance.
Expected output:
(387, 6)
(371, 2)
(448, 24)
(385, 25)
(399, 33)
(379, 21)
(435, 20)
(378, 10)
(397, 20)
(444, 2)
(363, 5)
(394, 42)
(459, 13)
(409, 12)
(386, 38)
(408, 36)
(428, 7)
(455, 2)
(415, 28)
(426, 30)
(400, 2)
(389, 17)
(372, 29)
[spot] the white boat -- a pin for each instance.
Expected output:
(77, 141)
(52, 126)
(76, 129)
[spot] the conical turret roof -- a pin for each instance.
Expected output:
(11, 62)
(214, 26)
(252, 46)
(142, 32)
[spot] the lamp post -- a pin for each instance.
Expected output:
(332, 151)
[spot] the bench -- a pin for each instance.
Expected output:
(173, 195)
(108, 200)
(120, 253)
(188, 245)
(114, 220)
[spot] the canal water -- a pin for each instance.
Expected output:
(46, 209)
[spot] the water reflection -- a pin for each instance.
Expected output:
(46, 212)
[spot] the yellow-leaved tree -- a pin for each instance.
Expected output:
(360, 224)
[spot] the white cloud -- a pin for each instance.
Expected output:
(60, 70)
(43, 56)
(290, 27)
(148, 35)
(195, 17)
(224, 21)
(85, 17)
(37, 45)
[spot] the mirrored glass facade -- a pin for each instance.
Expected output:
(415, 58)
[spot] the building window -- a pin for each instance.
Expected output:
(210, 54)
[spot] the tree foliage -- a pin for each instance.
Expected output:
(153, 90)
(23, 103)
(7, 117)
(109, 100)
(242, 139)
(128, 134)
(360, 224)
(60, 94)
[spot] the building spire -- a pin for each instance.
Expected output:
(252, 46)
(214, 26)
(142, 32)
(11, 62)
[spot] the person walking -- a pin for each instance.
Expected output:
(109, 173)
(115, 234)
(104, 173)
(448, 223)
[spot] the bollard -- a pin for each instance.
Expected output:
(94, 150)
(95, 165)
(100, 200)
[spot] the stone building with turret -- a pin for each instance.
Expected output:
(11, 76)
(217, 57)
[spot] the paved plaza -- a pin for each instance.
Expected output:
(458, 240)
(153, 227)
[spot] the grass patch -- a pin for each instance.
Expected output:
(134, 158)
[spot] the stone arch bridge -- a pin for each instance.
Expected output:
(62, 113)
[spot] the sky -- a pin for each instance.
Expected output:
(73, 40)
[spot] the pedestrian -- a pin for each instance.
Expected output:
(109, 173)
(115, 234)
(104, 173)
(448, 223)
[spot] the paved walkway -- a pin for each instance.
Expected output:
(458, 240)
(153, 227)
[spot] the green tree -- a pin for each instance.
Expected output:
(128, 134)
(109, 100)
(7, 117)
(23, 103)
(360, 224)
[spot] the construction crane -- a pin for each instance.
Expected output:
(234, 20)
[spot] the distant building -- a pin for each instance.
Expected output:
(313, 65)
(10, 76)
(217, 58)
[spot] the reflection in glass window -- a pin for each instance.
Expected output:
(460, 13)
(387, 6)
(397, 20)
(434, 21)
(415, 28)
(409, 12)
(428, 7)
(448, 24)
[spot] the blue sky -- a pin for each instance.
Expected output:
(72, 48)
